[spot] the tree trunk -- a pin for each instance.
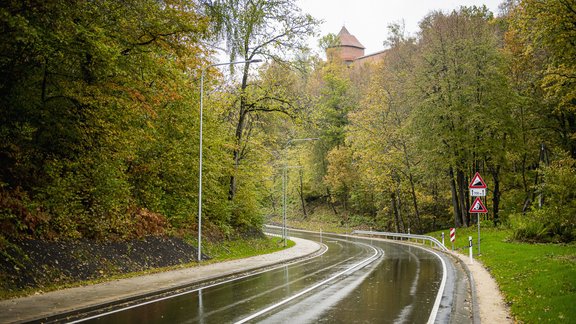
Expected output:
(330, 201)
(455, 205)
(399, 208)
(398, 222)
(412, 188)
(236, 151)
(495, 171)
(543, 161)
(461, 180)
(242, 114)
(435, 209)
(302, 196)
(273, 202)
(415, 203)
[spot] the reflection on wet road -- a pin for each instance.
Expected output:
(355, 280)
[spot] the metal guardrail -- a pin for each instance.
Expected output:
(431, 239)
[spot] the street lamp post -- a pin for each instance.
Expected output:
(284, 183)
(204, 69)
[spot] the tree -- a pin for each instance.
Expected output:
(332, 96)
(539, 44)
(546, 31)
(341, 175)
(536, 43)
(84, 86)
(270, 30)
(463, 115)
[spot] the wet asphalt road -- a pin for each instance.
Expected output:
(355, 281)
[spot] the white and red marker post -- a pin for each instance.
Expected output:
(470, 249)
(452, 237)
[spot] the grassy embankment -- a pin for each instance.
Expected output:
(538, 280)
(237, 249)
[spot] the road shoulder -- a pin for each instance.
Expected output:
(493, 308)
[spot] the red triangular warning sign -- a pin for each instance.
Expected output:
(477, 182)
(478, 206)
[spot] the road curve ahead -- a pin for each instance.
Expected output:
(355, 280)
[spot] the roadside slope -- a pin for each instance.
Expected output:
(72, 300)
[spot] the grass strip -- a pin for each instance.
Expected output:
(538, 281)
(239, 249)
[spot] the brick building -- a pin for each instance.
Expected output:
(351, 51)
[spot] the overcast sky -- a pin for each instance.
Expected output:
(368, 19)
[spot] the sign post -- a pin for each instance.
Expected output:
(452, 237)
(477, 189)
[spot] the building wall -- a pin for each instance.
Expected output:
(351, 51)
(345, 53)
(371, 58)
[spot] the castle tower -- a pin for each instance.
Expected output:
(349, 48)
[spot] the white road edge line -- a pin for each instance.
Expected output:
(269, 308)
(436, 306)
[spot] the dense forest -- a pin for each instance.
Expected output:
(100, 117)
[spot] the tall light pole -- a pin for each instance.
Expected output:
(204, 69)
(285, 182)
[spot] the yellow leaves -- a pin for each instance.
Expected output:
(546, 32)
(341, 174)
(136, 95)
(560, 82)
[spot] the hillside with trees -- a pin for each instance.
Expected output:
(472, 92)
(100, 117)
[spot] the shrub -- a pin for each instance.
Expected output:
(556, 220)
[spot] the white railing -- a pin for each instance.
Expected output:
(431, 239)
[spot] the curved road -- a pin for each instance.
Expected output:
(354, 280)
